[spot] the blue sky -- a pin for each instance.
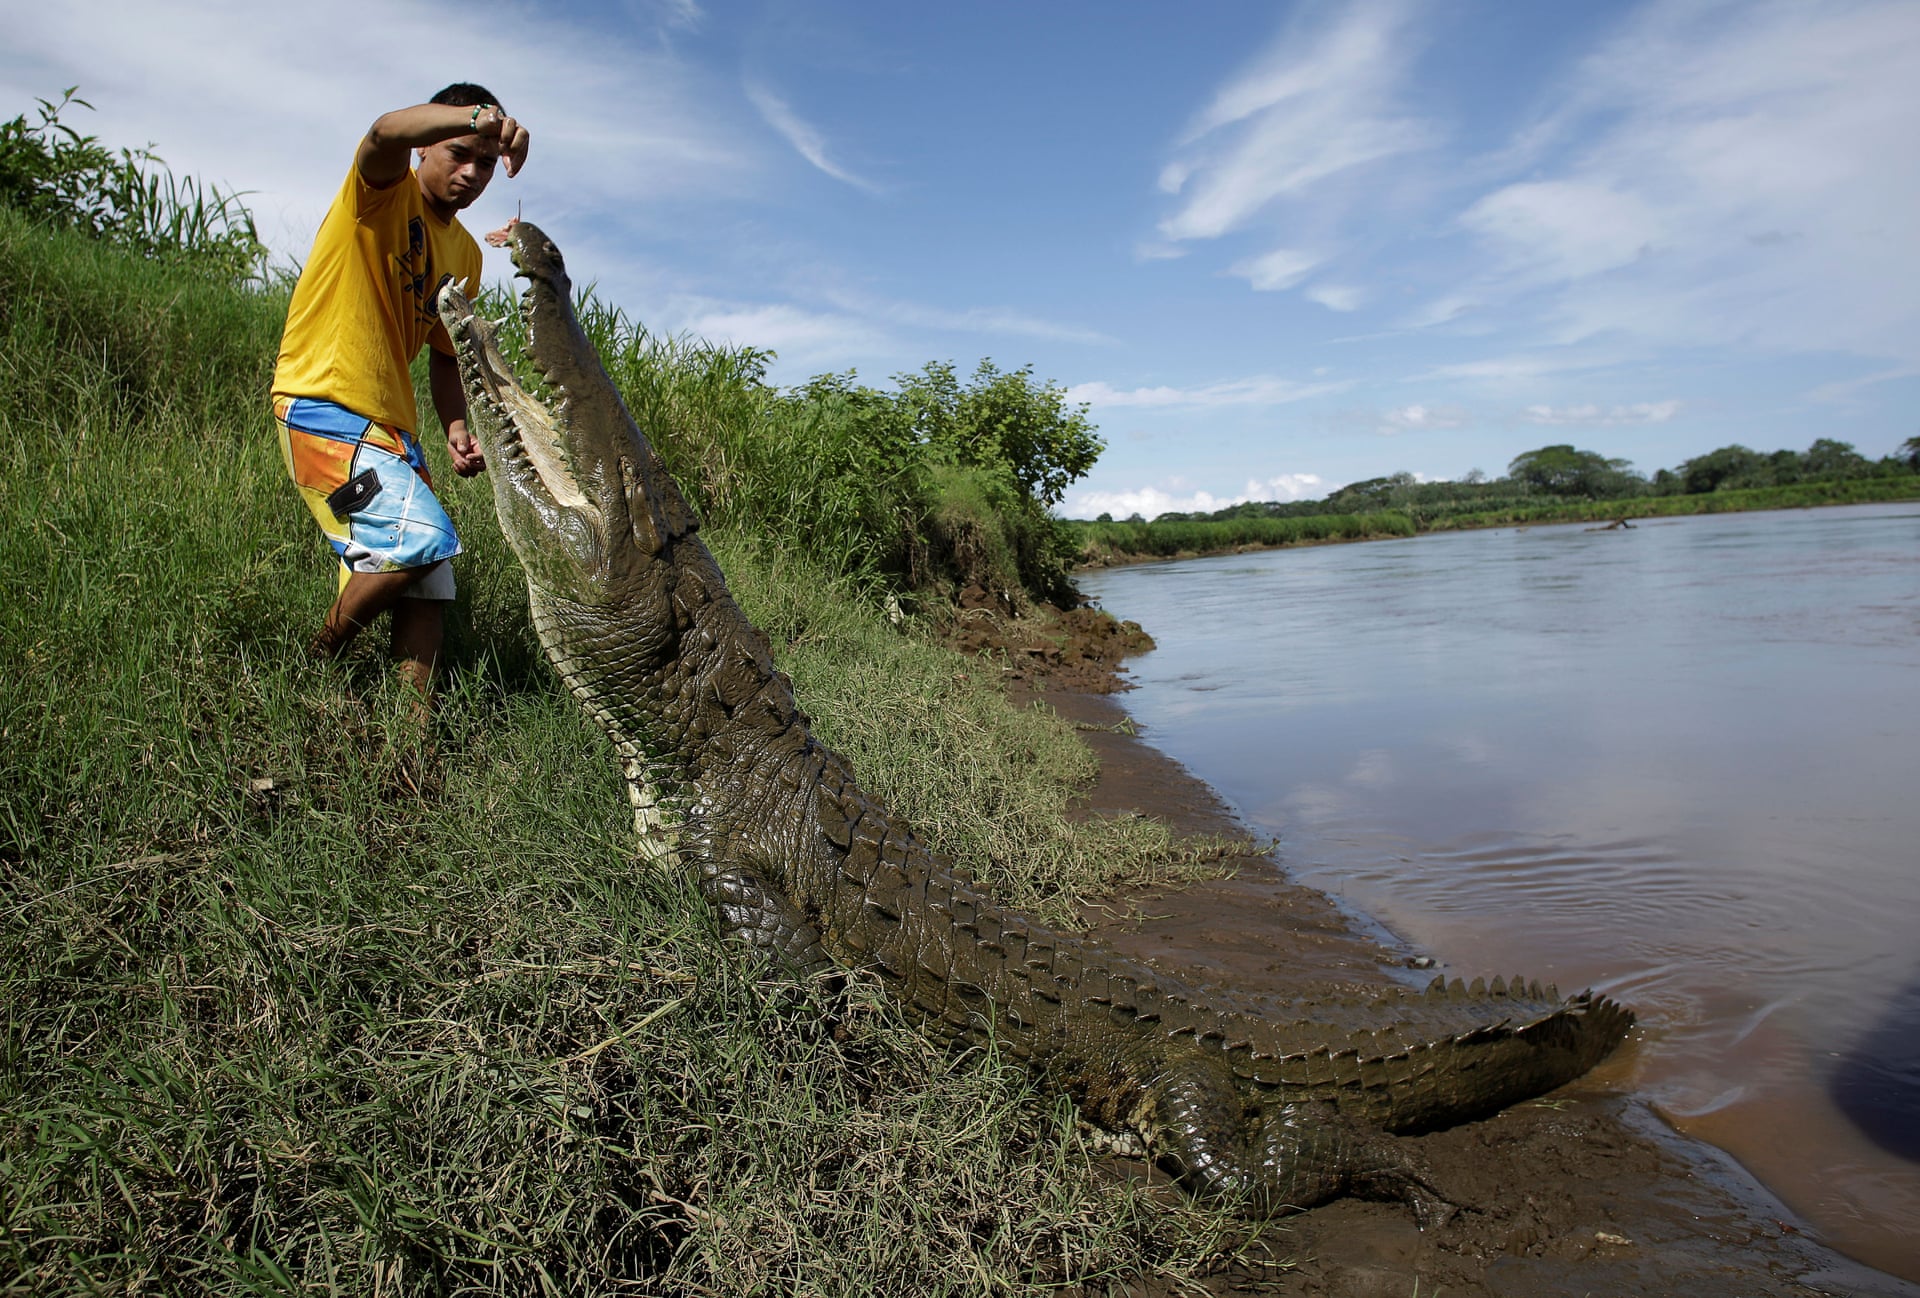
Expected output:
(1277, 248)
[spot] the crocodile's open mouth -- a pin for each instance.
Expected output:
(579, 489)
(516, 427)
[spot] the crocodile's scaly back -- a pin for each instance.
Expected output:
(800, 863)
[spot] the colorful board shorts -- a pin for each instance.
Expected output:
(366, 484)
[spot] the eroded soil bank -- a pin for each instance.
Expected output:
(1585, 1192)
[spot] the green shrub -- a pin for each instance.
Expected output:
(67, 180)
(931, 488)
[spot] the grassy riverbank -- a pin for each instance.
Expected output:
(299, 993)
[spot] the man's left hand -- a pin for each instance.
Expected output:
(465, 450)
(493, 124)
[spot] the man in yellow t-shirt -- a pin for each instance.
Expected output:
(342, 395)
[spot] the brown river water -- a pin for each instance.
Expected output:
(1678, 763)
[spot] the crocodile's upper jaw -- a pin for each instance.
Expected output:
(573, 477)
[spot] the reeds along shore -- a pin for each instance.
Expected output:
(299, 991)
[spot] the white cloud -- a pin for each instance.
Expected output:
(1337, 297)
(1281, 268)
(1315, 105)
(214, 84)
(1729, 173)
(1287, 486)
(1151, 502)
(1524, 368)
(807, 342)
(1262, 391)
(983, 320)
(1421, 418)
(1156, 251)
(1845, 391)
(1558, 230)
(806, 141)
(1441, 310)
(1642, 412)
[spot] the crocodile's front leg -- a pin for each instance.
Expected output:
(1284, 1157)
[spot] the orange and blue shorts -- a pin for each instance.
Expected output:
(366, 484)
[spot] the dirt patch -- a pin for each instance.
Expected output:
(1582, 1192)
(1063, 649)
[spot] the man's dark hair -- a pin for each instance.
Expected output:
(464, 94)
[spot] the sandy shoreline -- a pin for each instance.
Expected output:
(1588, 1193)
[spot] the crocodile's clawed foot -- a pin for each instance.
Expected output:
(1430, 1211)
(1354, 1159)
(1289, 1157)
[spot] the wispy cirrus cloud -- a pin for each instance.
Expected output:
(1520, 368)
(806, 341)
(1590, 415)
(1420, 418)
(805, 139)
(1337, 297)
(1278, 153)
(1260, 391)
(1002, 321)
(1317, 103)
(1721, 173)
(1281, 268)
(211, 81)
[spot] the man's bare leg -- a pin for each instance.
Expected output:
(419, 627)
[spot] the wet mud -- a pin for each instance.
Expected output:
(1585, 1191)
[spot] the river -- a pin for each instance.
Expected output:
(1679, 763)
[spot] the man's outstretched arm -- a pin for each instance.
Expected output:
(386, 148)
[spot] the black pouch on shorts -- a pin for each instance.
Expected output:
(353, 495)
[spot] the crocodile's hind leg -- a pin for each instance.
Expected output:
(1312, 1150)
(759, 916)
(1285, 1157)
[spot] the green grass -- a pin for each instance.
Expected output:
(300, 996)
(1118, 542)
(1854, 491)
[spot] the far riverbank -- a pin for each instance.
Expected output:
(1112, 545)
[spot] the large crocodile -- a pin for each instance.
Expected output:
(1277, 1111)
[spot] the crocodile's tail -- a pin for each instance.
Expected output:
(1407, 1061)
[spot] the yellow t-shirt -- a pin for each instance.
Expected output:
(364, 303)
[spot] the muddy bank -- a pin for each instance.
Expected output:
(1584, 1192)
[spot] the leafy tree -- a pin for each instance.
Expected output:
(1564, 471)
(1358, 497)
(1910, 453)
(1828, 458)
(1002, 420)
(1729, 467)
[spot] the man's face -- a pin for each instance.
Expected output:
(455, 172)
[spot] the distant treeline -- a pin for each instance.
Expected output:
(1551, 484)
